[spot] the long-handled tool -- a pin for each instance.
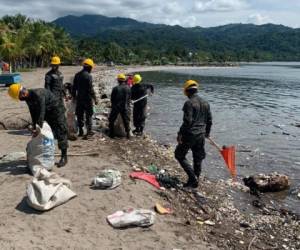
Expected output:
(228, 153)
(137, 100)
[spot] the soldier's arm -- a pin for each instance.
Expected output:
(74, 88)
(92, 91)
(208, 122)
(150, 86)
(48, 82)
(187, 117)
(42, 105)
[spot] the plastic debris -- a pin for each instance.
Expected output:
(150, 178)
(131, 217)
(107, 179)
(209, 222)
(162, 210)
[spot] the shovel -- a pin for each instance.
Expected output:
(228, 154)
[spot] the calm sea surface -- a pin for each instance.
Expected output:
(255, 107)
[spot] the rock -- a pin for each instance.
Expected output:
(273, 182)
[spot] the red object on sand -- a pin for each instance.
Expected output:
(150, 178)
(228, 154)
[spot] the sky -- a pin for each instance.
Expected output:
(187, 13)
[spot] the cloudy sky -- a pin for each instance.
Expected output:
(204, 13)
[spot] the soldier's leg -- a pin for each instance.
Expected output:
(58, 124)
(112, 118)
(198, 150)
(126, 120)
(180, 154)
(89, 119)
(80, 117)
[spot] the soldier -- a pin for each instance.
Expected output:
(54, 80)
(84, 95)
(120, 104)
(43, 106)
(197, 122)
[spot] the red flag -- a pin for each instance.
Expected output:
(228, 154)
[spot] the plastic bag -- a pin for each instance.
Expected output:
(40, 150)
(131, 217)
(48, 190)
(107, 179)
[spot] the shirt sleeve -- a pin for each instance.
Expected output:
(91, 88)
(208, 122)
(75, 87)
(187, 117)
(48, 82)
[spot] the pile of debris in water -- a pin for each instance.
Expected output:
(211, 211)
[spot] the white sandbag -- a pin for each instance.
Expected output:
(131, 217)
(40, 150)
(48, 190)
(15, 156)
(107, 179)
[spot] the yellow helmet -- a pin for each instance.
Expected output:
(121, 77)
(14, 91)
(55, 60)
(89, 62)
(137, 79)
(188, 84)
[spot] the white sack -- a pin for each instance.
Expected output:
(131, 217)
(48, 190)
(40, 150)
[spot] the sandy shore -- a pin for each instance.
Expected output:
(81, 223)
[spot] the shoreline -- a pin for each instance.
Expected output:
(211, 222)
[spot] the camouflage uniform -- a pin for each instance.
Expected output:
(54, 83)
(197, 122)
(43, 106)
(120, 104)
(84, 94)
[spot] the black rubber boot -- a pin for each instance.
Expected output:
(80, 132)
(128, 135)
(64, 159)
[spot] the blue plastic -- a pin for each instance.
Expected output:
(8, 79)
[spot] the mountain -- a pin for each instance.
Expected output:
(228, 42)
(91, 25)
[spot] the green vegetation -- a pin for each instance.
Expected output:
(27, 43)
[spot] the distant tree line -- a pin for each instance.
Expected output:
(27, 43)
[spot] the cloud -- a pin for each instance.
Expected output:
(183, 12)
(219, 5)
(259, 19)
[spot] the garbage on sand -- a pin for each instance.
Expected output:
(150, 178)
(131, 218)
(273, 182)
(41, 149)
(107, 179)
(162, 210)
